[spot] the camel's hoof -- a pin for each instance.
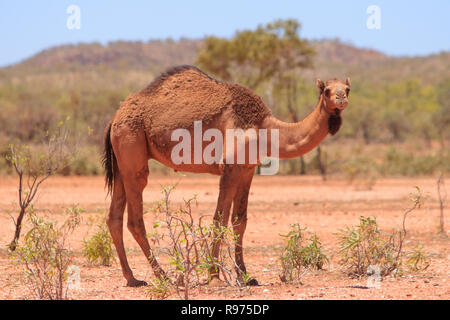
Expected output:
(136, 283)
(252, 282)
(216, 282)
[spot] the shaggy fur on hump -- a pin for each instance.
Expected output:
(183, 95)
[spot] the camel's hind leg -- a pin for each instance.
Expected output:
(132, 161)
(115, 225)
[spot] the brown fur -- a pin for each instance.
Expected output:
(158, 108)
(249, 109)
(334, 123)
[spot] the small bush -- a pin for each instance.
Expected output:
(187, 243)
(99, 248)
(298, 257)
(364, 245)
(417, 259)
(159, 289)
(44, 258)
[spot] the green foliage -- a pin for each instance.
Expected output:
(252, 57)
(298, 256)
(87, 162)
(393, 100)
(363, 164)
(34, 165)
(411, 164)
(417, 259)
(187, 243)
(54, 153)
(159, 289)
(365, 245)
(44, 258)
(98, 249)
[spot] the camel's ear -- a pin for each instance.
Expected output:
(320, 85)
(347, 82)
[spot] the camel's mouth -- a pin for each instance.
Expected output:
(341, 106)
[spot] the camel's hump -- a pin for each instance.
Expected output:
(185, 94)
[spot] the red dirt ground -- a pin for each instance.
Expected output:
(275, 203)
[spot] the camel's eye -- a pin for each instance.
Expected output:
(327, 92)
(347, 91)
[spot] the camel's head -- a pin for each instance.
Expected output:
(335, 93)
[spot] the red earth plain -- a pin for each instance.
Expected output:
(276, 202)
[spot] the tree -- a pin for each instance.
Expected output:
(34, 166)
(272, 53)
(252, 57)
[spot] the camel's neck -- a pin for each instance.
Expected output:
(296, 139)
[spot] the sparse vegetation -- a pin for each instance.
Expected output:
(33, 166)
(365, 245)
(390, 108)
(98, 249)
(397, 124)
(300, 254)
(44, 257)
(159, 289)
(187, 242)
(417, 259)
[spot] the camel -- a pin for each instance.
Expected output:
(141, 130)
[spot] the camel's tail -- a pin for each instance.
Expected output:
(109, 160)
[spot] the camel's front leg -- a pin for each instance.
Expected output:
(239, 222)
(222, 214)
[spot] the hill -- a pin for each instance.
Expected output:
(393, 100)
(140, 61)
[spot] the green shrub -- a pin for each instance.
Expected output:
(409, 164)
(159, 289)
(417, 259)
(87, 162)
(187, 242)
(365, 245)
(99, 248)
(44, 258)
(298, 257)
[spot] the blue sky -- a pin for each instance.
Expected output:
(407, 27)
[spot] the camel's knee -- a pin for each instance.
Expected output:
(117, 206)
(131, 226)
(141, 178)
(116, 210)
(115, 225)
(136, 226)
(135, 180)
(114, 220)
